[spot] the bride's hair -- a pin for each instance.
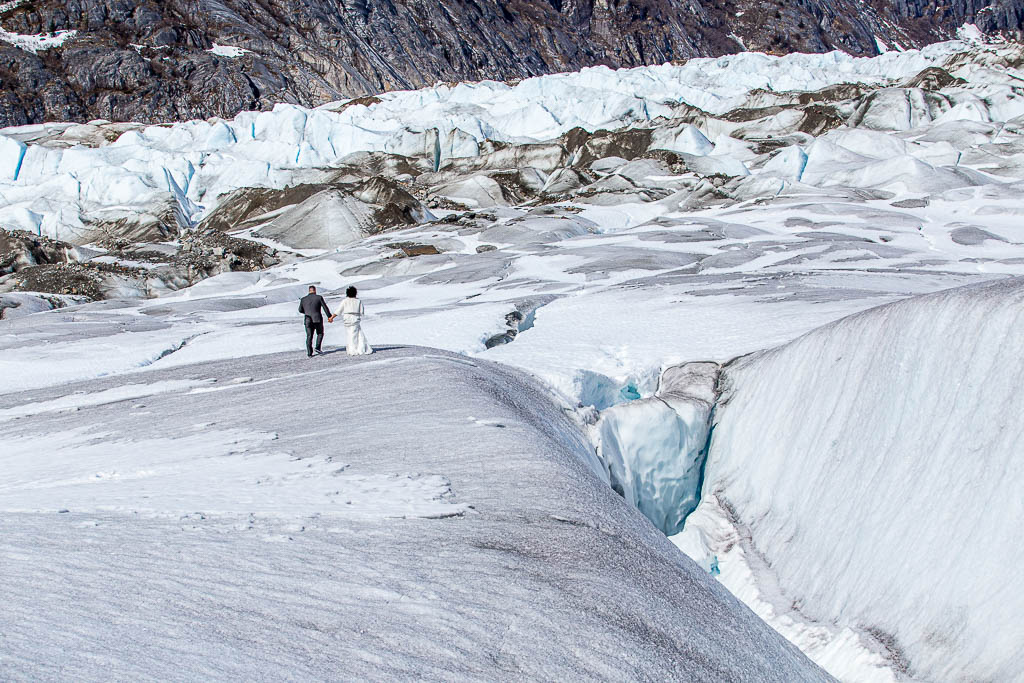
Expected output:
(351, 292)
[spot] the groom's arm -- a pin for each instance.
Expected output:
(323, 302)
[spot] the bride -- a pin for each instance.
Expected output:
(351, 313)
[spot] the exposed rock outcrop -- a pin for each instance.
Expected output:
(141, 60)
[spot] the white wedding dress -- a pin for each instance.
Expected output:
(351, 315)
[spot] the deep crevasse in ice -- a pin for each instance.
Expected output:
(873, 465)
(654, 448)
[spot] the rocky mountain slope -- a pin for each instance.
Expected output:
(140, 60)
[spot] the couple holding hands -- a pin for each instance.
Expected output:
(351, 315)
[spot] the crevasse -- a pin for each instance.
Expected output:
(864, 479)
(654, 448)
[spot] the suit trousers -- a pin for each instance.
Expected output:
(312, 327)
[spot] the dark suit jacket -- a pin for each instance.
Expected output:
(311, 304)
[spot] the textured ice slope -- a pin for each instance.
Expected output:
(409, 515)
(875, 464)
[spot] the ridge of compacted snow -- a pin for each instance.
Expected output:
(411, 514)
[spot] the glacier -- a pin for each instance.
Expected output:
(67, 174)
(744, 293)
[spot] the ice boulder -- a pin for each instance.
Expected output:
(833, 165)
(716, 165)
(900, 174)
(823, 156)
(220, 135)
(41, 165)
(477, 192)
(563, 180)
(607, 164)
(458, 143)
(645, 172)
(685, 139)
(21, 217)
(868, 143)
(972, 109)
(654, 448)
(898, 109)
(326, 220)
(788, 164)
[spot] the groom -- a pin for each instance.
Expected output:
(310, 305)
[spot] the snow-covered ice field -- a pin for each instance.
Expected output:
(654, 311)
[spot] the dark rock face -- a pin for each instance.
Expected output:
(925, 19)
(30, 263)
(149, 61)
(19, 249)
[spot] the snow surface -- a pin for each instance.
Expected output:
(35, 42)
(874, 466)
(414, 515)
(603, 327)
(326, 220)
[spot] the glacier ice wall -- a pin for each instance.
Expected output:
(876, 465)
(655, 448)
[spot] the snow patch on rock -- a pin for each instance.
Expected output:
(35, 43)
(229, 51)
